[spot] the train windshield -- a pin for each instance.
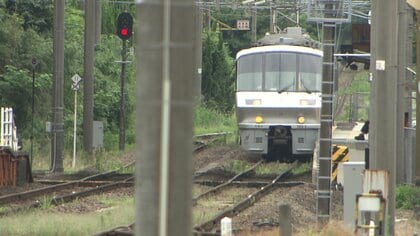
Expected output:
(279, 71)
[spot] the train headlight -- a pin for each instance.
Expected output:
(301, 119)
(259, 119)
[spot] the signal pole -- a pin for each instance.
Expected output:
(124, 32)
(122, 99)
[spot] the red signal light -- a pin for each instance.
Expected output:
(124, 32)
(124, 25)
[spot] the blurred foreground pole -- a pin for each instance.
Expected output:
(165, 73)
(383, 132)
(416, 5)
(418, 97)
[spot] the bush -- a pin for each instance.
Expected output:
(407, 197)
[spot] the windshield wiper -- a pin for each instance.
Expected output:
(285, 88)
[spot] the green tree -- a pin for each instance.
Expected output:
(36, 14)
(218, 74)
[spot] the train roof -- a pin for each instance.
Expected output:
(279, 48)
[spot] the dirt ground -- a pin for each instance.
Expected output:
(262, 218)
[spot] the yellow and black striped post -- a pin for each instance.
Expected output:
(339, 154)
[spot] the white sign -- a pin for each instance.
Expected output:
(242, 24)
(76, 78)
(380, 64)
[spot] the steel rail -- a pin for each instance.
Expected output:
(72, 196)
(39, 191)
(245, 203)
(250, 184)
(223, 185)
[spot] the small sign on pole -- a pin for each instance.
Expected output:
(242, 24)
(75, 86)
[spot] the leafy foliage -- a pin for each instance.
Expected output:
(407, 197)
(218, 74)
(36, 14)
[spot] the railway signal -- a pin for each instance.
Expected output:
(124, 25)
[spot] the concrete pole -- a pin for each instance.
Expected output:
(285, 220)
(164, 116)
(272, 19)
(198, 51)
(384, 112)
(98, 21)
(403, 97)
(254, 24)
(88, 75)
(58, 102)
(417, 98)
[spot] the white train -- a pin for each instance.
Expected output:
(278, 95)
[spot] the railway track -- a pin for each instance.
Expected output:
(237, 207)
(253, 190)
(63, 191)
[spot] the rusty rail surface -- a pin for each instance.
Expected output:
(249, 184)
(40, 191)
(223, 185)
(242, 205)
(57, 200)
(203, 140)
(118, 231)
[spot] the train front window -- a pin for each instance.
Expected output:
(310, 73)
(249, 73)
(279, 71)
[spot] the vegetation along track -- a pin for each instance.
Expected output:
(63, 191)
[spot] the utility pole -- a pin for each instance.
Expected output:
(198, 51)
(166, 72)
(384, 111)
(57, 128)
(98, 21)
(254, 24)
(88, 87)
(403, 93)
(416, 5)
(417, 96)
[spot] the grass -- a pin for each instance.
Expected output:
(210, 121)
(45, 202)
(269, 168)
(53, 223)
(302, 168)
